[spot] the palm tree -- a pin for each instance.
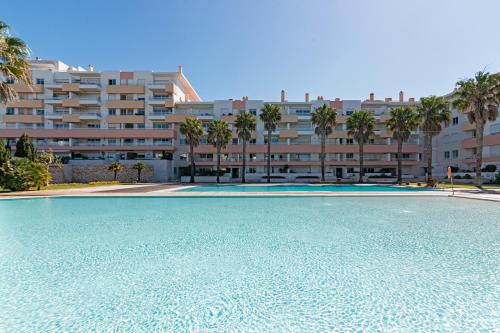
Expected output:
(360, 126)
(219, 136)
(139, 167)
(271, 116)
(245, 124)
(403, 121)
(433, 112)
(13, 62)
(115, 167)
(324, 118)
(192, 129)
(479, 98)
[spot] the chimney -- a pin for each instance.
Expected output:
(411, 99)
(337, 99)
(372, 97)
(90, 68)
(282, 96)
(306, 97)
(401, 96)
(388, 99)
(180, 69)
(319, 98)
(244, 98)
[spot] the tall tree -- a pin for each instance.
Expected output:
(4, 153)
(25, 148)
(192, 129)
(219, 136)
(271, 115)
(360, 126)
(403, 121)
(115, 167)
(324, 118)
(433, 112)
(479, 99)
(13, 62)
(139, 167)
(245, 124)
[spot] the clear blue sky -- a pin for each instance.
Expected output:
(232, 48)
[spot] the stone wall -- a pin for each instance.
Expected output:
(90, 173)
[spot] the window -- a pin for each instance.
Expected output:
(93, 125)
(129, 126)
(112, 82)
(160, 125)
(349, 112)
(455, 120)
(63, 125)
(141, 141)
(455, 153)
(112, 142)
(141, 126)
(123, 97)
(349, 141)
(350, 170)
(112, 112)
(40, 125)
(140, 112)
(303, 112)
(253, 111)
(446, 154)
(182, 141)
(40, 112)
(10, 111)
(235, 141)
(40, 81)
(9, 80)
(349, 156)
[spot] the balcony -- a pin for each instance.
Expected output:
(125, 104)
(23, 119)
(26, 103)
(129, 119)
(125, 89)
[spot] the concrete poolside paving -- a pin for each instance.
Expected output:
(170, 190)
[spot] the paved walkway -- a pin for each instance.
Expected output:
(168, 190)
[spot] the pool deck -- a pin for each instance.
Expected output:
(169, 190)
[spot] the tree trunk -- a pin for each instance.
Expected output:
(244, 161)
(193, 166)
(479, 150)
(268, 156)
(400, 161)
(114, 174)
(361, 167)
(323, 139)
(139, 175)
(218, 164)
(428, 144)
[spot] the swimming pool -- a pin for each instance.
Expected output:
(301, 188)
(249, 264)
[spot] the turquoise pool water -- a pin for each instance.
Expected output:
(300, 188)
(249, 265)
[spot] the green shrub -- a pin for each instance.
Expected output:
(490, 168)
(467, 176)
(458, 177)
(21, 174)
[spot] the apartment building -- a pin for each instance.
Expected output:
(456, 145)
(92, 117)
